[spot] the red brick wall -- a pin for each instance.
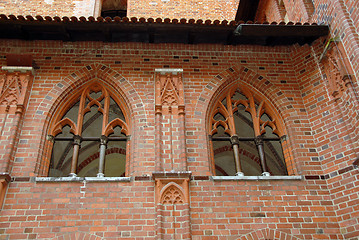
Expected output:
(299, 11)
(343, 146)
(322, 133)
(107, 210)
(48, 8)
(342, 18)
(300, 209)
(311, 208)
(196, 9)
(353, 9)
(135, 63)
(333, 124)
(270, 11)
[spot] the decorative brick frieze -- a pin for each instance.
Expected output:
(172, 205)
(337, 70)
(170, 120)
(15, 86)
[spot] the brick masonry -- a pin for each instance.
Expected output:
(322, 134)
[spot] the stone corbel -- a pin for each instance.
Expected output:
(166, 180)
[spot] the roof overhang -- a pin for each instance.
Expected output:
(158, 31)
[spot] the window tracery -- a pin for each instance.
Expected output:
(246, 135)
(172, 195)
(92, 122)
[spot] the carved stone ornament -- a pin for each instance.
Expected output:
(172, 187)
(172, 195)
(336, 72)
(169, 88)
(14, 87)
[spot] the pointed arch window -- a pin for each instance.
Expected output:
(89, 137)
(246, 136)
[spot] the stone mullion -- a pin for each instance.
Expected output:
(230, 118)
(235, 146)
(234, 136)
(77, 137)
(256, 114)
(75, 155)
(260, 146)
(101, 164)
(104, 138)
(105, 113)
(80, 114)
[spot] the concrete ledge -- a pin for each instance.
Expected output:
(256, 178)
(18, 69)
(169, 70)
(172, 174)
(81, 179)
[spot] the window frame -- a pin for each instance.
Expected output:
(58, 121)
(264, 107)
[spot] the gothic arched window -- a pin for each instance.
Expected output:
(246, 135)
(89, 135)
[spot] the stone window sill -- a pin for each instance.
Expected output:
(81, 179)
(255, 178)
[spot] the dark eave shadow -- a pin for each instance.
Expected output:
(158, 31)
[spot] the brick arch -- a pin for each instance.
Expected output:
(266, 234)
(78, 236)
(260, 86)
(248, 77)
(62, 90)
